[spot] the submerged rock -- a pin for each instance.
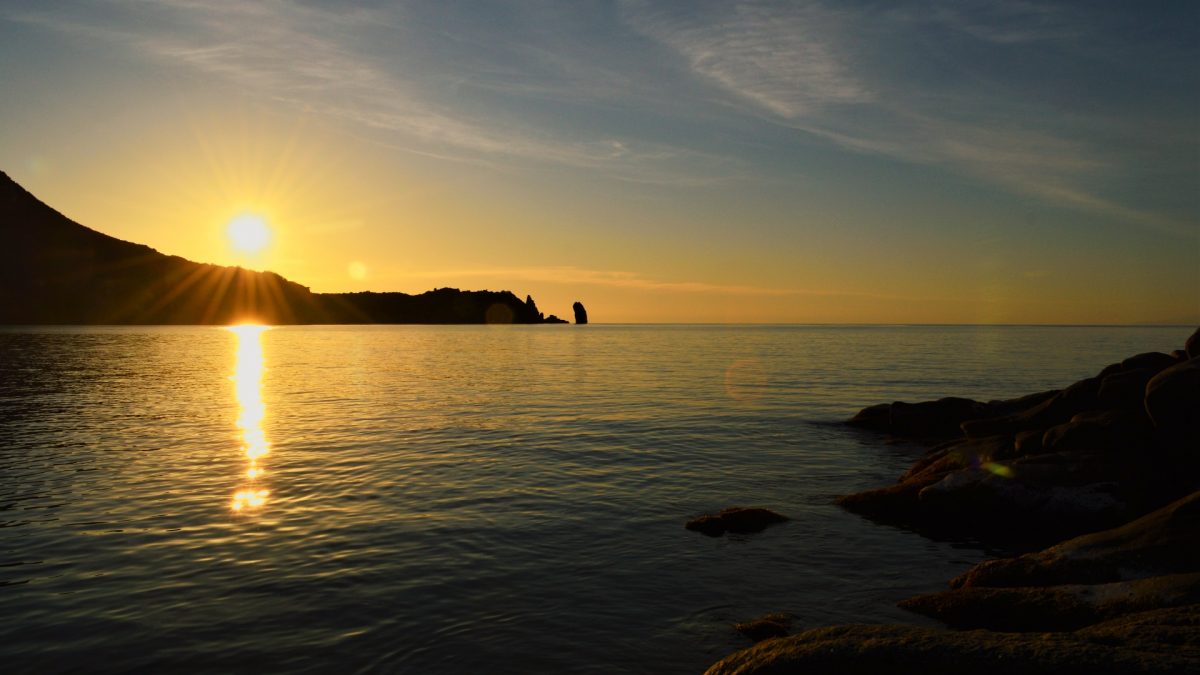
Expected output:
(735, 519)
(772, 625)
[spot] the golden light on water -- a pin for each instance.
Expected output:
(247, 378)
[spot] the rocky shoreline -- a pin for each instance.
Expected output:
(1109, 467)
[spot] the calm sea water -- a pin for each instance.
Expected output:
(465, 499)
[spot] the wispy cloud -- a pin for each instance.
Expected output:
(804, 66)
(773, 56)
(311, 58)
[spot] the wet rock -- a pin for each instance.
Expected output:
(768, 626)
(1165, 541)
(933, 419)
(1059, 408)
(877, 418)
(941, 419)
(1054, 608)
(735, 519)
(1159, 641)
(976, 487)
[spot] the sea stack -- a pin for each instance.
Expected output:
(580, 313)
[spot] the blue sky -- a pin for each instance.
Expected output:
(688, 161)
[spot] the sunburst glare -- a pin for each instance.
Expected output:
(248, 234)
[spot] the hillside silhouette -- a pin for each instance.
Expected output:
(56, 271)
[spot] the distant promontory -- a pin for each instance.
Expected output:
(56, 271)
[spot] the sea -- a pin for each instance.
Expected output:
(468, 499)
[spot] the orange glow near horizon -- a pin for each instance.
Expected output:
(248, 376)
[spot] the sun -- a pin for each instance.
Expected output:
(248, 234)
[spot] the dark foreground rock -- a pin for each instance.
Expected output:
(1150, 563)
(1110, 463)
(1054, 608)
(1166, 541)
(1028, 471)
(735, 519)
(1159, 641)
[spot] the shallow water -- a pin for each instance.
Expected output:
(466, 499)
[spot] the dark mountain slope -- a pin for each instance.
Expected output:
(56, 271)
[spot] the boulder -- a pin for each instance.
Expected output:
(1165, 541)
(1054, 608)
(1192, 346)
(1159, 641)
(877, 418)
(1059, 408)
(735, 519)
(933, 419)
(1110, 431)
(1155, 361)
(767, 626)
(1125, 390)
(941, 419)
(1173, 405)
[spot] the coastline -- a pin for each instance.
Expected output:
(1095, 484)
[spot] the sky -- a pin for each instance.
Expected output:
(798, 162)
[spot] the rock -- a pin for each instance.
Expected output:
(1056, 409)
(939, 419)
(554, 319)
(1159, 641)
(876, 417)
(1173, 404)
(1028, 442)
(1126, 389)
(580, 313)
(1192, 346)
(1110, 431)
(1165, 541)
(735, 519)
(1054, 608)
(767, 626)
(1155, 361)
(933, 419)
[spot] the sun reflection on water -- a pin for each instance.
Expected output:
(248, 376)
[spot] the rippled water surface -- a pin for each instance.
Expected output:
(465, 499)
